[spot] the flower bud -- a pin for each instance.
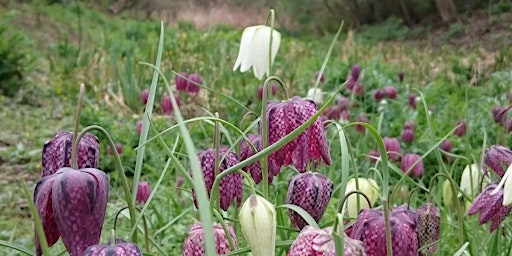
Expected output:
(193, 84)
(412, 100)
(378, 95)
(139, 126)
(181, 81)
(355, 71)
(401, 76)
(143, 192)
(470, 179)
(447, 193)
(258, 222)
(316, 95)
(446, 146)
(408, 135)
(144, 95)
(390, 91)
(461, 128)
(368, 187)
(392, 146)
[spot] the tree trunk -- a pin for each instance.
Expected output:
(447, 10)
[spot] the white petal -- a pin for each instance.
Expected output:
(507, 189)
(261, 48)
(245, 49)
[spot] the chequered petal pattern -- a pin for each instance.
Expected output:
(283, 118)
(57, 152)
(428, 229)
(194, 244)
(497, 158)
(246, 151)
(43, 202)
(120, 249)
(311, 192)
(490, 207)
(230, 187)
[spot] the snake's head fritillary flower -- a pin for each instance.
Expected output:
(364, 119)
(497, 158)
(499, 114)
(378, 95)
(446, 146)
(143, 192)
(247, 151)
(343, 103)
(408, 135)
(413, 161)
(144, 95)
(258, 222)
(72, 204)
(409, 125)
(57, 152)
(230, 187)
(355, 71)
(392, 146)
(311, 192)
(313, 241)
(138, 127)
(311, 144)
(368, 187)
(321, 76)
(401, 76)
(370, 229)
(193, 84)
(118, 249)
(119, 149)
(260, 91)
(254, 50)
(412, 100)
(428, 220)
(390, 91)
(181, 81)
(470, 180)
(490, 207)
(461, 128)
(166, 104)
(194, 244)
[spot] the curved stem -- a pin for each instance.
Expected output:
(414, 190)
(120, 169)
(457, 205)
(342, 202)
(271, 17)
(74, 148)
(264, 130)
(144, 223)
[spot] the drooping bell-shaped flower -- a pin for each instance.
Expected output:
(428, 220)
(364, 119)
(410, 125)
(144, 95)
(490, 207)
(311, 144)
(194, 244)
(119, 149)
(138, 126)
(258, 222)
(166, 104)
(378, 94)
(247, 151)
(370, 229)
(470, 180)
(497, 158)
(71, 204)
(318, 242)
(409, 161)
(230, 187)
(57, 152)
(181, 81)
(143, 192)
(193, 84)
(412, 100)
(255, 48)
(390, 91)
(118, 249)
(368, 187)
(446, 146)
(408, 135)
(461, 128)
(392, 146)
(355, 71)
(311, 192)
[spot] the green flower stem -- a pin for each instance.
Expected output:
(119, 167)
(74, 161)
(389, 245)
(342, 202)
(270, 17)
(144, 223)
(215, 198)
(37, 220)
(457, 204)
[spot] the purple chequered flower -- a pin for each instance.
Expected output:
(247, 151)
(311, 192)
(311, 144)
(313, 241)
(230, 187)
(497, 158)
(194, 244)
(393, 150)
(407, 162)
(490, 207)
(118, 249)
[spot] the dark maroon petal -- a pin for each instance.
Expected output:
(181, 81)
(364, 216)
(311, 192)
(120, 249)
(392, 146)
(79, 202)
(461, 128)
(43, 202)
(192, 85)
(143, 192)
(246, 151)
(485, 203)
